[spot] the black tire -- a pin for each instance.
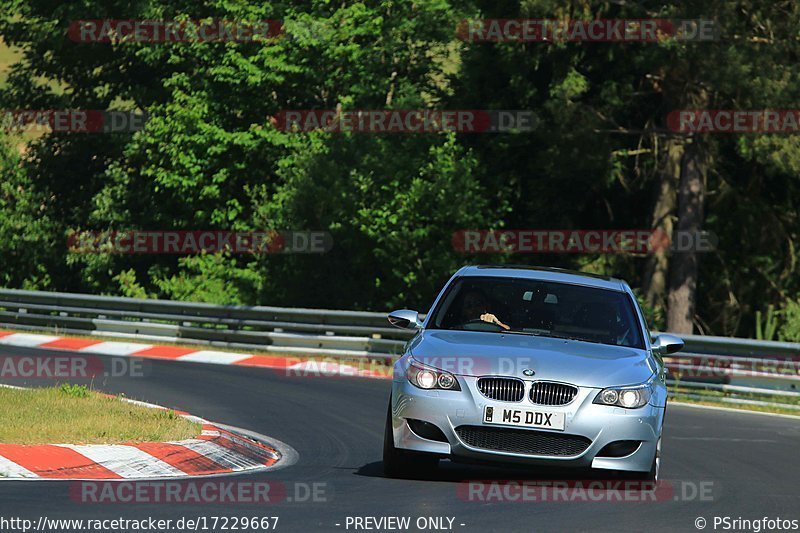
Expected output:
(402, 464)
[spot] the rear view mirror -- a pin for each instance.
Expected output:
(666, 344)
(405, 319)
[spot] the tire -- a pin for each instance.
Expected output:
(401, 464)
(652, 475)
(656, 467)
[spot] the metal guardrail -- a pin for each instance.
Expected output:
(328, 332)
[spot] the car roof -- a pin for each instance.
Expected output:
(544, 274)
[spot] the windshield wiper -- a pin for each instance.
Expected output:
(518, 332)
(538, 334)
(571, 338)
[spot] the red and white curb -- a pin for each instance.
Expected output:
(291, 365)
(216, 451)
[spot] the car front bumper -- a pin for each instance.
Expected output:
(601, 424)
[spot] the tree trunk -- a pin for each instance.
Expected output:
(683, 268)
(657, 269)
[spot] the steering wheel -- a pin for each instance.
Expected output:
(487, 326)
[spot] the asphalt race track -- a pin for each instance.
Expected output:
(749, 462)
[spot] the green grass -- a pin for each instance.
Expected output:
(73, 414)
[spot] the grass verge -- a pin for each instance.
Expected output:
(73, 414)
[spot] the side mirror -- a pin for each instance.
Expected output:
(405, 319)
(665, 344)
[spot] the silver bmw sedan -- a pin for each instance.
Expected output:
(529, 366)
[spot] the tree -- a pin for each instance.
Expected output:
(604, 145)
(28, 233)
(210, 158)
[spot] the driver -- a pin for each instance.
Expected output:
(474, 306)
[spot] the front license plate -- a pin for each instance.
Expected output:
(528, 418)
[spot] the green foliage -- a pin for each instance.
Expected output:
(74, 391)
(790, 329)
(211, 158)
(767, 330)
(393, 215)
(212, 278)
(128, 286)
(654, 315)
(24, 224)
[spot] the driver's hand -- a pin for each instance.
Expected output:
(488, 317)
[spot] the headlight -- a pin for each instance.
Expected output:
(426, 377)
(627, 397)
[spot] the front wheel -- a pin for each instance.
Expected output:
(652, 475)
(399, 463)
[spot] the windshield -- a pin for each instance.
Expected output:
(524, 306)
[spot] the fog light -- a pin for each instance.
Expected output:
(426, 430)
(620, 448)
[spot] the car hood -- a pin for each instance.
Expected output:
(585, 364)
